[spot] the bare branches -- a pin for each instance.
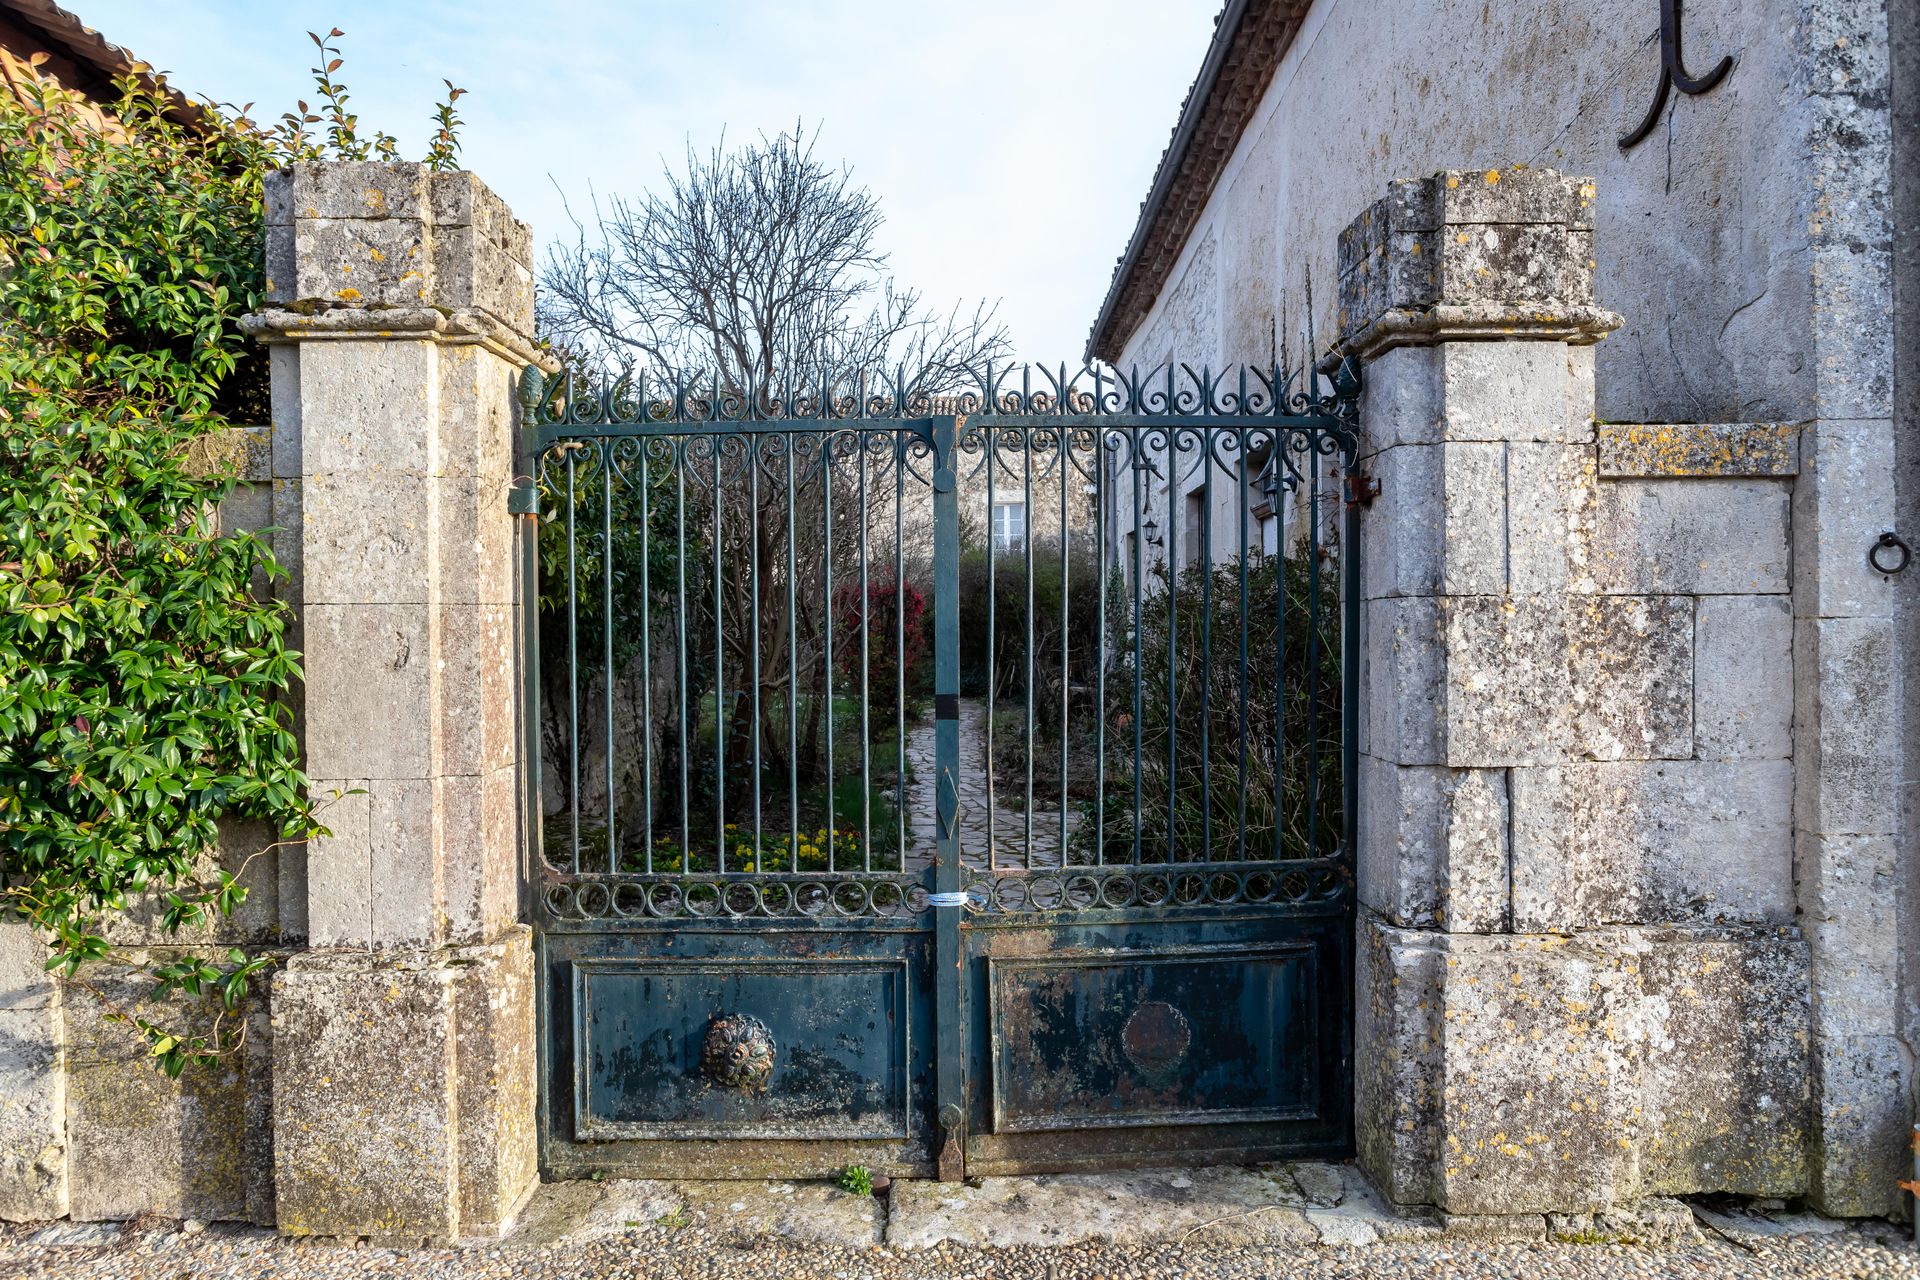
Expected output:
(751, 263)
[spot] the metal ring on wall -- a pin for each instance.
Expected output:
(1889, 541)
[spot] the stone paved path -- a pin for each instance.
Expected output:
(1305, 1221)
(985, 822)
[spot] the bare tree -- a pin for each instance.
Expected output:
(750, 264)
(748, 267)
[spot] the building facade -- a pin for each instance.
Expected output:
(1741, 442)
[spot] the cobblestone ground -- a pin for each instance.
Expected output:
(986, 822)
(163, 1252)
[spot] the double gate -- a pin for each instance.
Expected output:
(950, 778)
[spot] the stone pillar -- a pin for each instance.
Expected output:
(1578, 979)
(400, 303)
(1851, 651)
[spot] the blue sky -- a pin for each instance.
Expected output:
(1010, 141)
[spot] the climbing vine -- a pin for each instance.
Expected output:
(142, 666)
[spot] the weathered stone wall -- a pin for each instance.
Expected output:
(1716, 556)
(386, 1082)
(1576, 854)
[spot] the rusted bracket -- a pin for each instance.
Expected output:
(1361, 488)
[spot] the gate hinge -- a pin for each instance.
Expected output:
(1362, 489)
(523, 499)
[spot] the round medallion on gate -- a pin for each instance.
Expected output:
(1156, 1038)
(738, 1053)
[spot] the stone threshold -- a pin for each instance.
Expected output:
(1291, 1205)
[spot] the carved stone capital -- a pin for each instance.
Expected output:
(1470, 256)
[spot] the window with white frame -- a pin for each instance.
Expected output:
(1009, 526)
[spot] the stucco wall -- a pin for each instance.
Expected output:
(1748, 243)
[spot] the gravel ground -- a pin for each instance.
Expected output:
(163, 1253)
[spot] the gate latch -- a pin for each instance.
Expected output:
(1362, 488)
(523, 499)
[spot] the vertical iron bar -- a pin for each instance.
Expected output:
(1282, 440)
(826, 596)
(991, 445)
(949, 957)
(1100, 533)
(719, 667)
(793, 675)
(1204, 558)
(1350, 674)
(680, 641)
(527, 530)
(753, 635)
(646, 651)
(606, 633)
(1139, 443)
(1175, 509)
(1026, 543)
(866, 671)
(1240, 684)
(1066, 631)
(900, 647)
(573, 654)
(1313, 642)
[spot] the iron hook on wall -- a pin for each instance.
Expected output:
(1896, 563)
(1673, 72)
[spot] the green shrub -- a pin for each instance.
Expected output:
(141, 668)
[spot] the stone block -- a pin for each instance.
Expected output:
(1397, 1085)
(1511, 391)
(283, 367)
(1540, 1105)
(1400, 398)
(1669, 449)
(479, 688)
(1727, 1092)
(141, 1143)
(355, 190)
(369, 690)
(461, 199)
(480, 848)
(383, 262)
(1862, 1118)
(477, 550)
(24, 980)
(1433, 846)
(1445, 530)
(1841, 878)
(1517, 241)
(1630, 667)
(368, 540)
(406, 857)
(478, 397)
(1704, 537)
(1840, 507)
(1743, 678)
(1605, 843)
(339, 865)
(365, 1117)
(371, 406)
(495, 1052)
(1856, 972)
(1853, 306)
(242, 848)
(472, 272)
(1402, 680)
(1539, 679)
(34, 1156)
(289, 542)
(1550, 504)
(1847, 683)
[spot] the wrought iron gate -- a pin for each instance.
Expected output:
(950, 776)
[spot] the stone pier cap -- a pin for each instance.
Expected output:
(1471, 254)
